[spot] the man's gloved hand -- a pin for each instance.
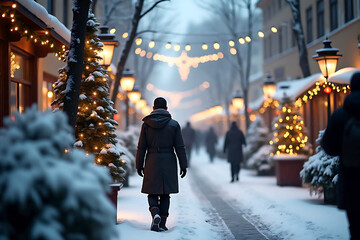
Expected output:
(183, 172)
(140, 172)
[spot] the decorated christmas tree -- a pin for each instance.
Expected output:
(289, 135)
(94, 130)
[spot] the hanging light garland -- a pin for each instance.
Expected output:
(40, 37)
(183, 62)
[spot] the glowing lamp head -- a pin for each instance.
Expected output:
(327, 58)
(110, 43)
(141, 104)
(134, 96)
(269, 87)
(127, 81)
(238, 100)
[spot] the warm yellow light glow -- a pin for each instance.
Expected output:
(134, 96)
(216, 46)
(238, 102)
(140, 104)
(168, 45)
(274, 29)
(151, 44)
(231, 43)
(204, 46)
(187, 47)
(177, 47)
(241, 41)
(106, 54)
(127, 83)
(327, 65)
(50, 94)
(112, 31)
(125, 35)
(137, 50)
(233, 51)
(261, 34)
(207, 113)
(14, 5)
(138, 41)
(248, 39)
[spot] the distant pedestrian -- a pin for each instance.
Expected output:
(160, 136)
(189, 138)
(210, 142)
(342, 138)
(234, 140)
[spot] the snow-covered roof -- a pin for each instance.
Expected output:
(51, 21)
(343, 76)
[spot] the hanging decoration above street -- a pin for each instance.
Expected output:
(188, 45)
(183, 62)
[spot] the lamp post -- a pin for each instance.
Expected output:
(110, 43)
(327, 59)
(238, 103)
(269, 89)
(127, 83)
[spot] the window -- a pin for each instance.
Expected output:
(349, 10)
(50, 7)
(320, 18)
(280, 34)
(309, 27)
(280, 4)
(20, 86)
(65, 12)
(333, 14)
(293, 39)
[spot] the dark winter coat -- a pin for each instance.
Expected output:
(348, 178)
(210, 141)
(160, 136)
(234, 140)
(189, 135)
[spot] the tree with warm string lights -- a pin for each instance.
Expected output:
(289, 135)
(94, 130)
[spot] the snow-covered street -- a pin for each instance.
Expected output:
(276, 212)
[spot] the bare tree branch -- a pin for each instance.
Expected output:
(152, 7)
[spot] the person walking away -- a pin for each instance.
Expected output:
(160, 135)
(342, 138)
(211, 141)
(189, 137)
(234, 139)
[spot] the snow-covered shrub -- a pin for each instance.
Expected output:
(261, 161)
(321, 169)
(129, 141)
(257, 136)
(49, 190)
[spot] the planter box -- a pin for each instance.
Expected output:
(287, 168)
(114, 188)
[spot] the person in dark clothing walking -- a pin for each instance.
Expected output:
(189, 138)
(211, 141)
(348, 194)
(234, 140)
(159, 137)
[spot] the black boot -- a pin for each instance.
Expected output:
(156, 219)
(162, 224)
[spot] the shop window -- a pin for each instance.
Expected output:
(20, 82)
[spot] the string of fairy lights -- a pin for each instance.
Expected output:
(41, 37)
(189, 45)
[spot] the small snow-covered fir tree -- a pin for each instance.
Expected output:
(321, 169)
(257, 136)
(49, 190)
(94, 129)
(289, 135)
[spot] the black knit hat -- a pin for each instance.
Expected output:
(160, 102)
(355, 82)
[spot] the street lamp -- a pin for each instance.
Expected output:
(238, 102)
(327, 59)
(269, 89)
(140, 104)
(110, 43)
(134, 96)
(127, 83)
